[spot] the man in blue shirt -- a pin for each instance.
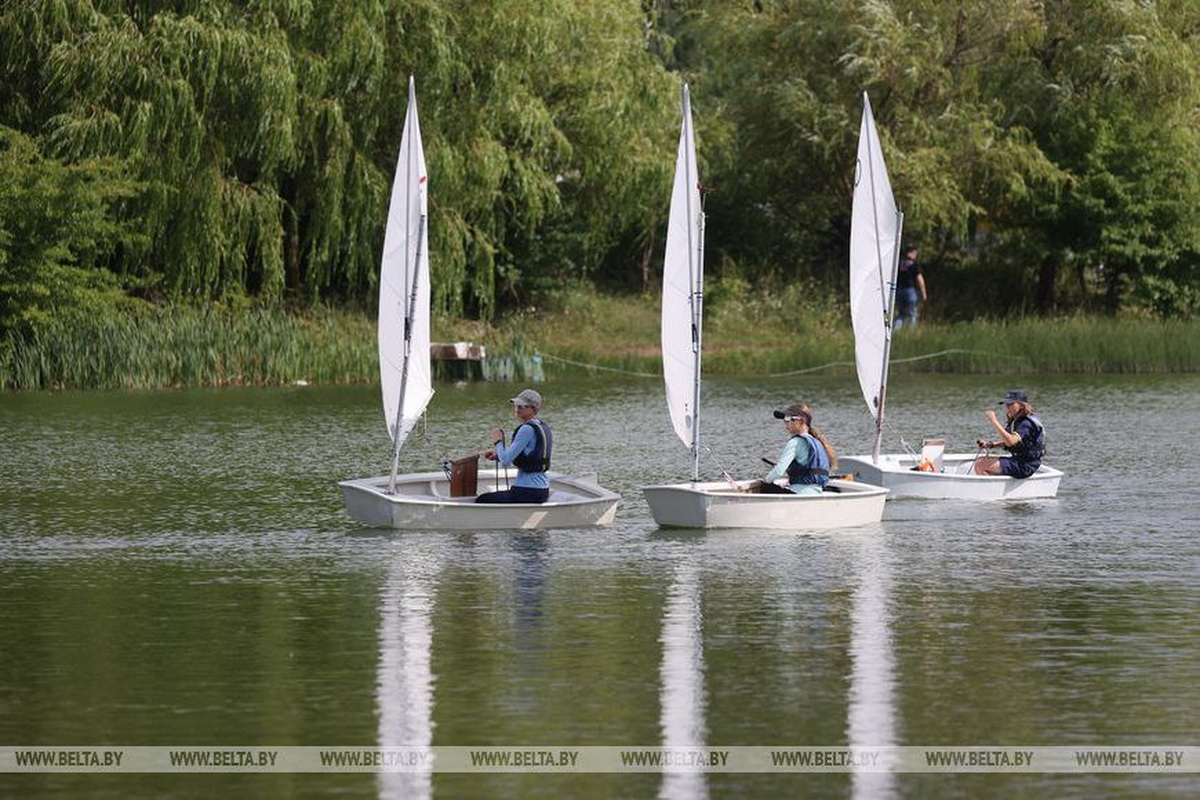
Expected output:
(532, 443)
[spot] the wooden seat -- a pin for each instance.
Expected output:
(464, 477)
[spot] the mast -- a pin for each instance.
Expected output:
(696, 273)
(887, 340)
(409, 314)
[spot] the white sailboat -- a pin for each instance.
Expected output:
(875, 229)
(425, 499)
(697, 504)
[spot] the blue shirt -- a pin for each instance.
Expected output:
(525, 441)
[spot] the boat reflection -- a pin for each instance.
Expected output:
(681, 677)
(871, 718)
(405, 681)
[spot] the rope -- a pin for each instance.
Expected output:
(811, 369)
(553, 357)
(728, 478)
(791, 373)
(925, 357)
(949, 352)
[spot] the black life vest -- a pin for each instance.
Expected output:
(539, 459)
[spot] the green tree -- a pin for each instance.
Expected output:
(1064, 130)
(1111, 92)
(58, 227)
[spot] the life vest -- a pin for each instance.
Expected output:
(1035, 447)
(539, 459)
(816, 471)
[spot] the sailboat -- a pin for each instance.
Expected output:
(727, 504)
(875, 229)
(436, 499)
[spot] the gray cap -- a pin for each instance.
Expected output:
(528, 397)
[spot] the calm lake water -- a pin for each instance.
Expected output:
(176, 570)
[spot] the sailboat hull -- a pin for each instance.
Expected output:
(422, 501)
(956, 481)
(717, 505)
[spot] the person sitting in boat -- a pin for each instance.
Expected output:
(532, 443)
(1022, 435)
(806, 458)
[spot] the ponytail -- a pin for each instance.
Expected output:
(820, 437)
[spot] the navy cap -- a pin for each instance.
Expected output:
(1014, 396)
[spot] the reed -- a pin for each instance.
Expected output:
(782, 332)
(779, 333)
(178, 347)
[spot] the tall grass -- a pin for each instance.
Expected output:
(1066, 345)
(772, 333)
(179, 347)
(788, 331)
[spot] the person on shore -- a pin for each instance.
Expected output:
(1022, 435)
(910, 289)
(806, 458)
(532, 443)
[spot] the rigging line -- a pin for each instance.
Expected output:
(811, 369)
(925, 357)
(553, 357)
(789, 374)
(724, 472)
(951, 352)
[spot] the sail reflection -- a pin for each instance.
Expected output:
(871, 717)
(682, 681)
(404, 687)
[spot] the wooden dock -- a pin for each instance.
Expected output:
(457, 360)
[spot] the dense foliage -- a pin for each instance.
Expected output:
(1046, 152)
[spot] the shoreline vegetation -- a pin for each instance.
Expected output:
(184, 347)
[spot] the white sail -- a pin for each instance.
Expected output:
(875, 226)
(404, 291)
(683, 276)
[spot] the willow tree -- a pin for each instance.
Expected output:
(265, 134)
(1064, 130)
(202, 107)
(548, 133)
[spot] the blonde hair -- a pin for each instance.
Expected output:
(1025, 408)
(820, 437)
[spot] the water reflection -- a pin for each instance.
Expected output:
(404, 688)
(533, 562)
(871, 718)
(682, 680)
